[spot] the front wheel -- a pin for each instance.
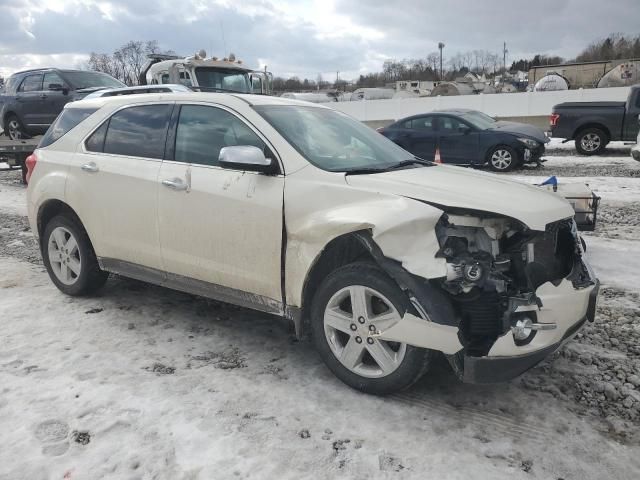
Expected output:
(503, 159)
(69, 257)
(591, 141)
(351, 304)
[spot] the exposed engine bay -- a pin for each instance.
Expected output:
(494, 267)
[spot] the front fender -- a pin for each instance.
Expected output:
(404, 230)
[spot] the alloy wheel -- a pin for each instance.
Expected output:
(352, 318)
(64, 256)
(501, 159)
(591, 142)
(14, 129)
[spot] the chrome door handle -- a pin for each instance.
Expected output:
(175, 184)
(90, 167)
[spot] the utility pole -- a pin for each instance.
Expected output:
(504, 56)
(441, 46)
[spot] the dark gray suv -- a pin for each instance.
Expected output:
(33, 99)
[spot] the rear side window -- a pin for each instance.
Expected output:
(31, 83)
(95, 143)
(422, 123)
(138, 131)
(68, 119)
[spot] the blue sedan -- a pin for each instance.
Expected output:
(468, 137)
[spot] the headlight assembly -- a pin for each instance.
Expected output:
(529, 142)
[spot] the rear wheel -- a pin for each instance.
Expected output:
(69, 257)
(503, 159)
(351, 304)
(591, 141)
(14, 128)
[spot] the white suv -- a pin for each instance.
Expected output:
(297, 210)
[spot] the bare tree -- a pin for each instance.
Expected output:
(126, 62)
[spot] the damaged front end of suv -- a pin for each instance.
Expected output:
(510, 297)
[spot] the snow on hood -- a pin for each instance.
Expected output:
(464, 188)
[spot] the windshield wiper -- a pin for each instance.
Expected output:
(395, 166)
(411, 161)
(365, 171)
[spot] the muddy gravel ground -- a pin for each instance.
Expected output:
(597, 374)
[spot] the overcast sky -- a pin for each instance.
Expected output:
(305, 37)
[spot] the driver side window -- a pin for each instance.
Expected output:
(452, 125)
(203, 131)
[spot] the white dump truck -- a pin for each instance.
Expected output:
(205, 74)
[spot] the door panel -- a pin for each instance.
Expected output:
(54, 100)
(116, 193)
(459, 144)
(226, 229)
(30, 98)
(118, 205)
(218, 225)
(632, 120)
(422, 137)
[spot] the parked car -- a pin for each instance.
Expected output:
(34, 98)
(594, 124)
(300, 211)
(468, 137)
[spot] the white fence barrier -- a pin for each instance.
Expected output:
(498, 105)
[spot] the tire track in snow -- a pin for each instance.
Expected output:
(491, 422)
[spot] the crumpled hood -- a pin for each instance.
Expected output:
(464, 188)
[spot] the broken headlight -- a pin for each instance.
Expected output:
(473, 256)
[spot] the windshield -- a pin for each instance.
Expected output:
(479, 120)
(223, 79)
(332, 140)
(81, 80)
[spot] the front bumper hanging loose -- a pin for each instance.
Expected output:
(493, 369)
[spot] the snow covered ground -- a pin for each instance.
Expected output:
(143, 382)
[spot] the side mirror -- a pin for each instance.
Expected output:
(58, 87)
(245, 157)
(464, 129)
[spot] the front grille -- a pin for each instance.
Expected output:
(483, 315)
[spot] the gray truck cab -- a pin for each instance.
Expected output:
(206, 74)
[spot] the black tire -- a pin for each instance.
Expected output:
(14, 129)
(415, 361)
(91, 277)
(503, 165)
(23, 169)
(591, 141)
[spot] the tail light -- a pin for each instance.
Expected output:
(553, 119)
(30, 162)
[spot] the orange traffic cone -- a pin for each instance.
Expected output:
(437, 159)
